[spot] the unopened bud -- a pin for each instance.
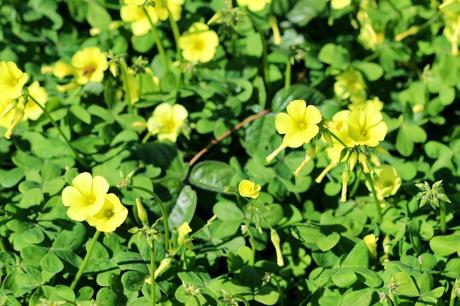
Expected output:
(345, 179)
(362, 158)
(141, 212)
(352, 160)
(183, 230)
(275, 238)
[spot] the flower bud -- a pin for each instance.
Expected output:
(141, 213)
(345, 179)
(275, 238)
(371, 243)
(183, 230)
(362, 158)
(352, 160)
(165, 263)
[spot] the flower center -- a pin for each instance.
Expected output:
(108, 213)
(199, 45)
(364, 133)
(302, 125)
(88, 70)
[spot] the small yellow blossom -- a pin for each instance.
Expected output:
(89, 64)
(199, 43)
(183, 230)
(12, 80)
(299, 125)
(366, 126)
(340, 4)
(387, 181)
(254, 5)
(85, 197)
(167, 121)
(350, 85)
(451, 16)
(133, 13)
(11, 113)
(371, 243)
(31, 110)
(111, 215)
(249, 189)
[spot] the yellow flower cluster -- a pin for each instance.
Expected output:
(348, 136)
(199, 43)
(15, 106)
(167, 121)
(87, 65)
(87, 200)
(141, 15)
(254, 5)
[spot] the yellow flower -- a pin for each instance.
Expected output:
(340, 4)
(374, 102)
(299, 125)
(254, 5)
(183, 230)
(366, 126)
(11, 113)
(133, 13)
(167, 121)
(387, 181)
(174, 6)
(31, 110)
(451, 16)
(61, 69)
(111, 215)
(89, 64)
(350, 85)
(249, 189)
(85, 197)
(12, 80)
(371, 243)
(199, 43)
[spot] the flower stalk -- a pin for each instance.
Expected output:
(85, 260)
(54, 123)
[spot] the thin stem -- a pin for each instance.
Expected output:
(226, 134)
(125, 80)
(288, 72)
(152, 273)
(176, 32)
(264, 50)
(337, 138)
(161, 49)
(251, 238)
(378, 209)
(85, 260)
(54, 123)
(442, 217)
(452, 296)
(164, 212)
(355, 184)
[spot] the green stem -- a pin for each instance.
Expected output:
(378, 209)
(54, 123)
(355, 184)
(176, 32)
(442, 217)
(251, 239)
(125, 80)
(264, 50)
(452, 296)
(85, 260)
(337, 138)
(288, 72)
(161, 49)
(164, 213)
(152, 274)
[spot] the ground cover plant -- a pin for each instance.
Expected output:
(248, 152)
